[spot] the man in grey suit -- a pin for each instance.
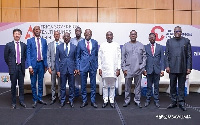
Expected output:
(133, 65)
(154, 69)
(178, 65)
(51, 53)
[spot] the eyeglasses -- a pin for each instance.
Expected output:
(177, 31)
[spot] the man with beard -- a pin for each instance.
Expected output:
(109, 67)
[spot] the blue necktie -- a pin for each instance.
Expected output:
(66, 50)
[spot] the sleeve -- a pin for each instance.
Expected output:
(28, 53)
(162, 59)
(167, 54)
(6, 53)
(45, 53)
(100, 57)
(189, 55)
(123, 58)
(49, 55)
(144, 58)
(78, 56)
(118, 57)
(57, 59)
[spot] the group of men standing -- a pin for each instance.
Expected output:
(74, 59)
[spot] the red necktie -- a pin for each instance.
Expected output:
(88, 46)
(152, 49)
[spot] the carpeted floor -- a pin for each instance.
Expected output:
(131, 115)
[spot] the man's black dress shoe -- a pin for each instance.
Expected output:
(112, 105)
(52, 101)
(22, 104)
(62, 104)
(157, 105)
(34, 104)
(71, 104)
(42, 102)
(94, 105)
(104, 105)
(126, 104)
(172, 106)
(138, 104)
(182, 107)
(84, 104)
(146, 104)
(13, 106)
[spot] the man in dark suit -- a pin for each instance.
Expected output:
(178, 65)
(15, 57)
(154, 69)
(37, 63)
(65, 68)
(87, 62)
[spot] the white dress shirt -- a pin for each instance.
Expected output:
(40, 47)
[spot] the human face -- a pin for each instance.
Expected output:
(36, 31)
(133, 36)
(78, 32)
(177, 32)
(17, 35)
(152, 38)
(109, 36)
(56, 36)
(88, 34)
(66, 38)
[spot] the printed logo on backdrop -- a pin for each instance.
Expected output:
(5, 79)
(162, 33)
(47, 31)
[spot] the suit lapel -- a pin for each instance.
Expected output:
(149, 49)
(22, 49)
(92, 45)
(156, 50)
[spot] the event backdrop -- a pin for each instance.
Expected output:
(120, 30)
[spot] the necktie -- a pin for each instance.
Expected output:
(39, 53)
(18, 54)
(88, 46)
(66, 50)
(56, 44)
(152, 49)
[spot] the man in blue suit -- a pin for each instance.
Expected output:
(37, 63)
(154, 69)
(87, 62)
(65, 68)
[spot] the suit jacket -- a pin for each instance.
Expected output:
(10, 56)
(178, 55)
(65, 62)
(51, 55)
(154, 62)
(133, 59)
(86, 61)
(32, 52)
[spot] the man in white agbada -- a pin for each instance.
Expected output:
(109, 61)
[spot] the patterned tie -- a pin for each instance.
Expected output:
(88, 46)
(152, 49)
(18, 54)
(66, 50)
(39, 53)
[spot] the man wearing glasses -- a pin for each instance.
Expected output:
(178, 65)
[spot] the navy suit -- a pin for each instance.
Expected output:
(66, 64)
(37, 65)
(87, 63)
(154, 65)
(16, 72)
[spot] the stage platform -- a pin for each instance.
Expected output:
(131, 115)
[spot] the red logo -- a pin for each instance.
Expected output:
(161, 30)
(29, 33)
